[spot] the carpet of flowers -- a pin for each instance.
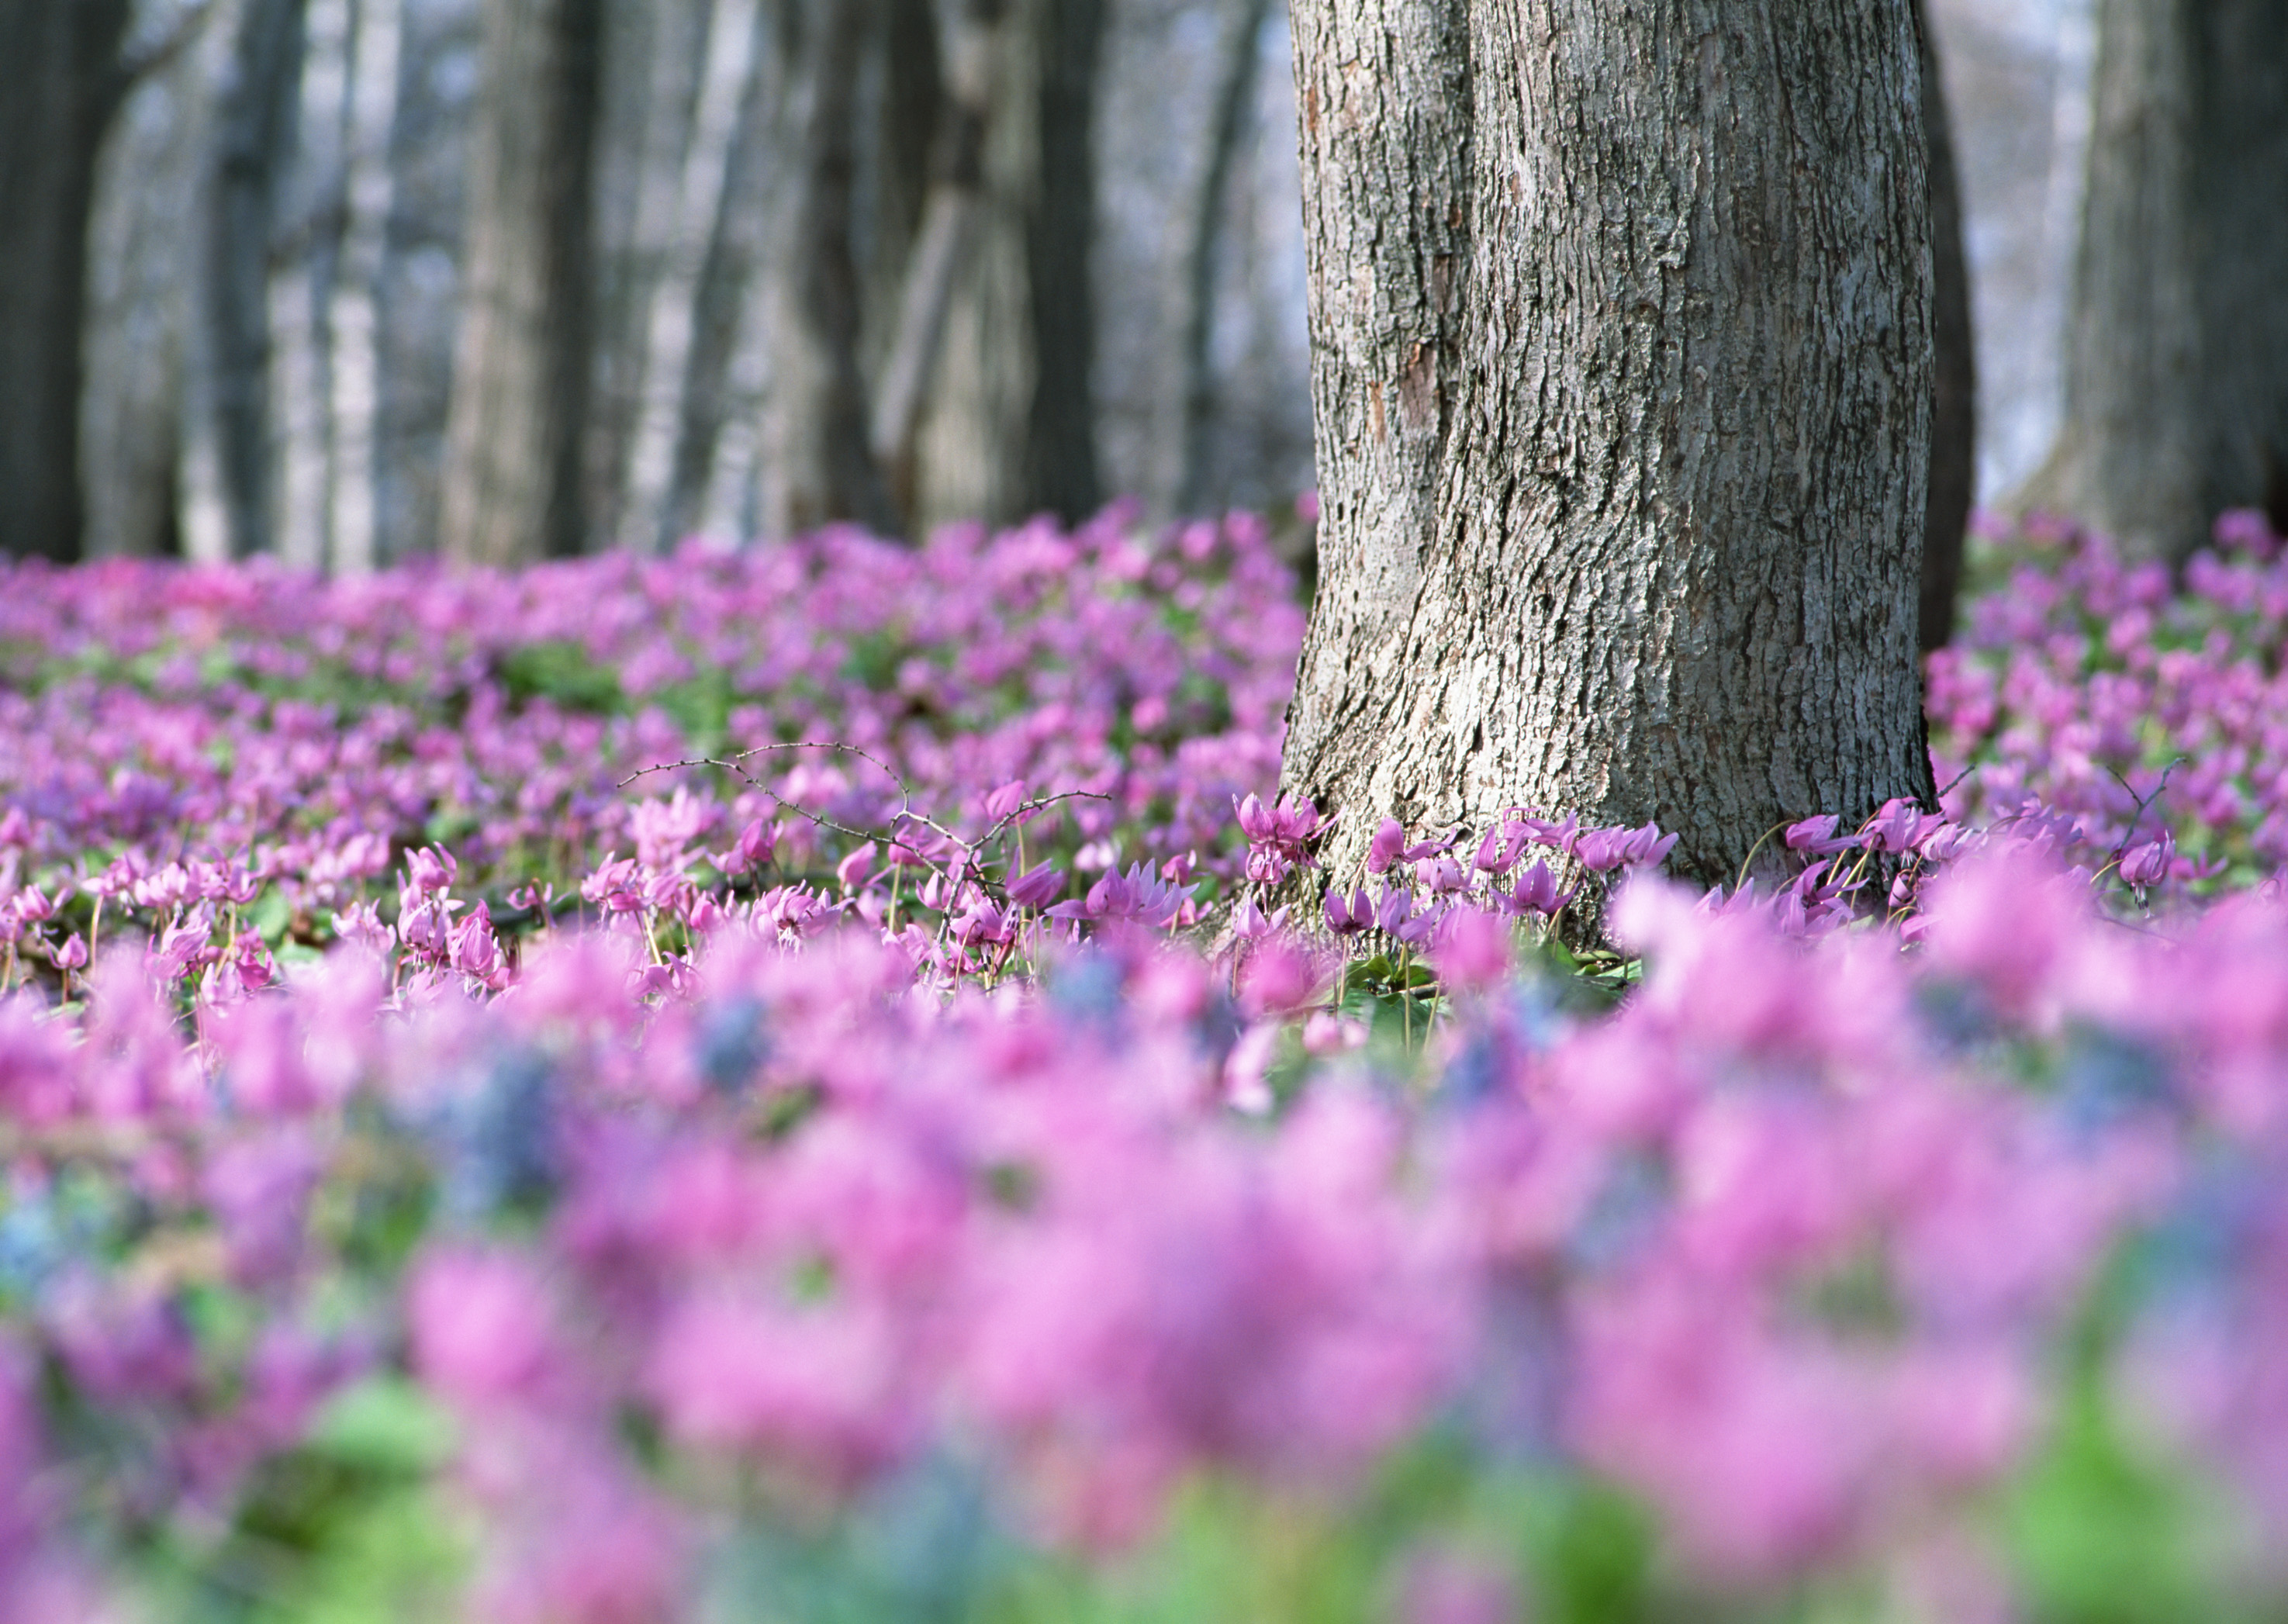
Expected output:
(788, 1085)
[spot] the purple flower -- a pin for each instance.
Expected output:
(853, 870)
(1138, 895)
(2148, 864)
(1351, 916)
(1818, 836)
(1898, 827)
(999, 806)
(751, 850)
(1536, 892)
(1038, 887)
(1601, 850)
(1440, 876)
(432, 870)
(1389, 840)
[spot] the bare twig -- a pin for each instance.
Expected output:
(905, 812)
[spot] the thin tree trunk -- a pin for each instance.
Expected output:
(511, 482)
(1954, 398)
(1234, 95)
(1060, 467)
(300, 290)
(2243, 199)
(61, 81)
(651, 91)
(2176, 364)
(941, 246)
(830, 471)
(727, 81)
(908, 117)
(724, 381)
(1623, 370)
(141, 311)
(255, 125)
(353, 324)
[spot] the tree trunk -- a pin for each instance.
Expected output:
(655, 52)
(1954, 393)
(353, 314)
(140, 309)
(63, 81)
(1008, 427)
(1235, 94)
(255, 120)
(649, 509)
(1061, 474)
(1623, 367)
(511, 481)
(2176, 353)
(939, 249)
(830, 473)
(722, 382)
(301, 288)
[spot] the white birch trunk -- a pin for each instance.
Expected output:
(352, 319)
(732, 59)
(298, 388)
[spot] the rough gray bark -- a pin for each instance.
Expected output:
(63, 81)
(1954, 397)
(511, 482)
(1235, 92)
(1621, 319)
(1060, 468)
(2176, 351)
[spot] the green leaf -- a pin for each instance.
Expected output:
(386, 1423)
(561, 672)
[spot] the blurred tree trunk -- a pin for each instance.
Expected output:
(512, 461)
(301, 288)
(354, 312)
(908, 118)
(1235, 94)
(255, 127)
(722, 383)
(1009, 424)
(935, 252)
(829, 472)
(2176, 353)
(142, 312)
(650, 511)
(655, 51)
(1622, 362)
(1060, 467)
(61, 79)
(1954, 377)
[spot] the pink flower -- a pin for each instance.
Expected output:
(483, 1324)
(1471, 950)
